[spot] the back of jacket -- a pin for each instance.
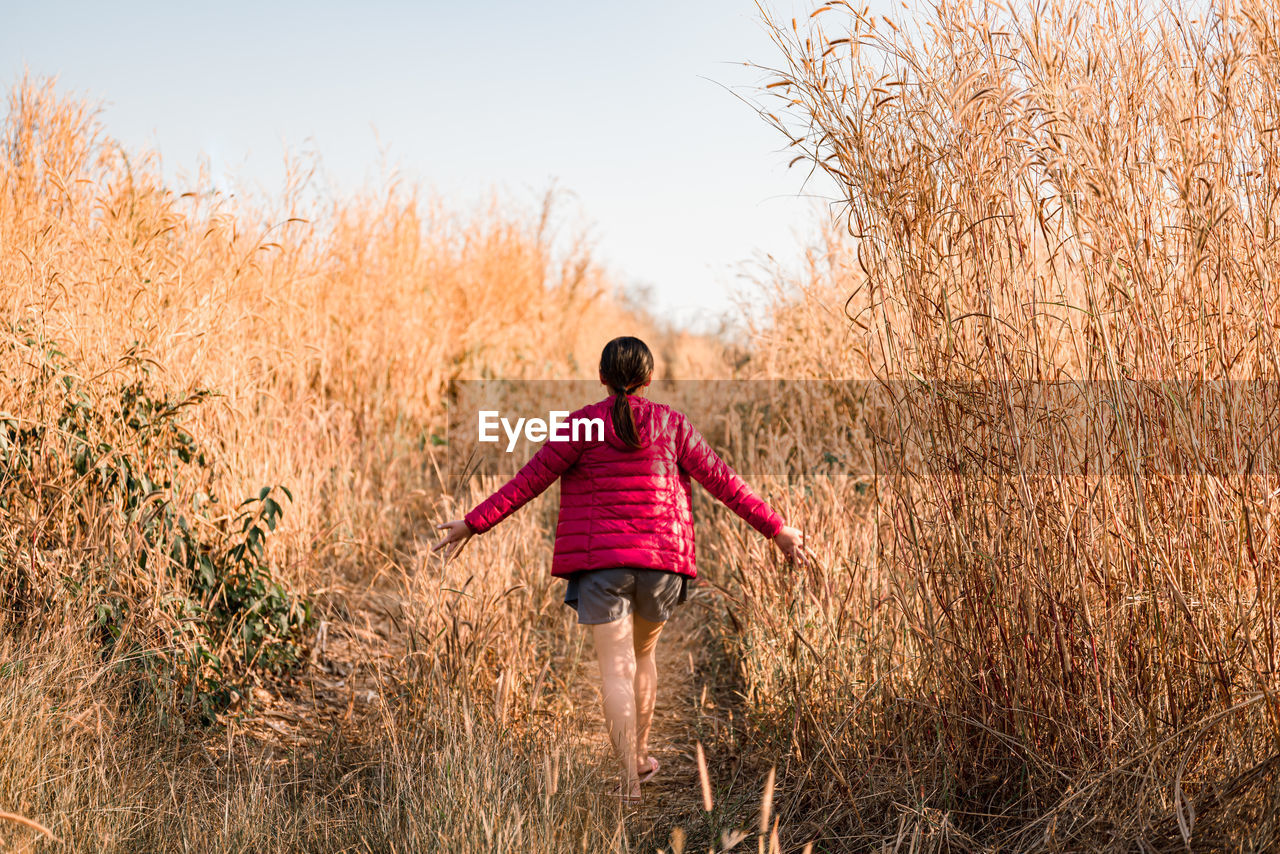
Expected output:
(623, 506)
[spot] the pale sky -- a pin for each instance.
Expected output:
(630, 106)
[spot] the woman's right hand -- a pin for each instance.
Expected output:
(791, 541)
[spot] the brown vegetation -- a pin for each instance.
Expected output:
(1029, 645)
(1003, 643)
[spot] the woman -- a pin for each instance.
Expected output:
(624, 537)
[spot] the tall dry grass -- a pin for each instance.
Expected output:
(1039, 636)
(303, 345)
(997, 649)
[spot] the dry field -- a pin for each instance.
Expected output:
(222, 455)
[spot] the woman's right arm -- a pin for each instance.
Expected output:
(718, 478)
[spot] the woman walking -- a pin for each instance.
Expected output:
(624, 537)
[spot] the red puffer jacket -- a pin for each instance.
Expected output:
(627, 507)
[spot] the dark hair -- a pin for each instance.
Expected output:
(626, 364)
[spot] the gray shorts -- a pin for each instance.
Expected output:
(605, 595)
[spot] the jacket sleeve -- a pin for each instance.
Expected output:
(706, 467)
(551, 461)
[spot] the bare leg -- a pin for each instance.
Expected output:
(645, 641)
(617, 659)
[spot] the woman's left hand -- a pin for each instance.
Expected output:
(456, 535)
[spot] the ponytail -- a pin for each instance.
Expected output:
(625, 365)
(624, 423)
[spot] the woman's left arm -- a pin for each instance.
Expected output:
(551, 461)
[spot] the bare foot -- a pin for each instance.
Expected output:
(646, 767)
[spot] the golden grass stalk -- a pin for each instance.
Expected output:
(704, 779)
(26, 822)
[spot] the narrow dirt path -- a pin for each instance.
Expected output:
(356, 656)
(696, 704)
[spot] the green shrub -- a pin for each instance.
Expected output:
(116, 504)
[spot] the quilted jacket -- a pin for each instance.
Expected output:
(627, 507)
